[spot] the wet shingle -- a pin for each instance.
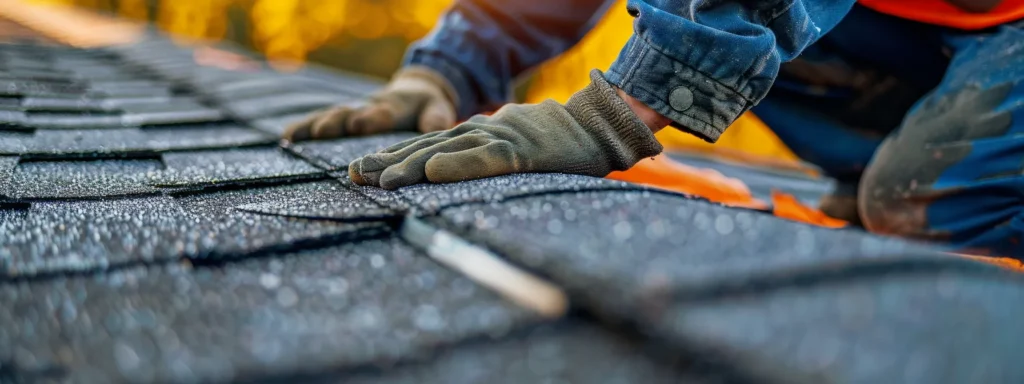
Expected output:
(565, 352)
(228, 230)
(83, 235)
(137, 116)
(632, 238)
(78, 89)
(58, 236)
(278, 124)
(334, 203)
(936, 325)
(229, 166)
(25, 87)
(129, 141)
(93, 104)
(279, 104)
(783, 299)
(431, 197)
(7, 166)
(265, 86)
(338, 153)
(303, 82)
(82, 179)
(349, 305)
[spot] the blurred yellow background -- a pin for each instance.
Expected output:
(370, 36)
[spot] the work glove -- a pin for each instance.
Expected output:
(416, 99)
(593, 134)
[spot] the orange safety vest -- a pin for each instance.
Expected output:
(940, 12)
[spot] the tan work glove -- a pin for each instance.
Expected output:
(593, 134)
(416, 99)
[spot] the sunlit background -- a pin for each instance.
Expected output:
(366, 36)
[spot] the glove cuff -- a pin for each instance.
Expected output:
(602, 113)
(433, 77)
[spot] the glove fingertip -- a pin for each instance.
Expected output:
(299, 131)
(355, 173)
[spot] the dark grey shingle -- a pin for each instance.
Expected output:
(782, 300)
(85, 143)
(277, 125)
(183, 169)
(431, 197)
(349, 305)
(273, 105)
(564, 352)
(82, 178)
(334, 203)
(338, 153)
(7, 166)
(59, 236)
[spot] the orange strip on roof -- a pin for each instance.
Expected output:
(72, 26)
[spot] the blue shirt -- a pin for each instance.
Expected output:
(700, 63)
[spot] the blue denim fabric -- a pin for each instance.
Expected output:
(700, 63)
(834, 105)
(482, 45)
(925, 123)
(703, 63)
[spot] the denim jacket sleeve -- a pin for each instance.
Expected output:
(480, 46)
(702, 63)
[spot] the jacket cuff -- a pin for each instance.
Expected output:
(464, 95)
(695, 102)
(600, 111)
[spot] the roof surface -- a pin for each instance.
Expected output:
(153, 229)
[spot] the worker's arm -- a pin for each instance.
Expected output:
(482, 45)
(466, 65)
(703, 63)
(698, 63)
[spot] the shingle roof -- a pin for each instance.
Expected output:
(153, 229)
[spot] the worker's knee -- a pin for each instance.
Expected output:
(888, 195)
(921, 161)
(951, 173)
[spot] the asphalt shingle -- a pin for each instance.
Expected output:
(129, 141)
(7, 166)
(336, 203)
(82, 178)
(275, 105)
(338, 153)
(230, 166)
(548, 353)
(775, 295)
(358, 304)
(59, 236)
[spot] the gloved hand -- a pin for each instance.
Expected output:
(594, 133)
(417, 98)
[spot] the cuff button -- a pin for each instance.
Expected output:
(680, 99)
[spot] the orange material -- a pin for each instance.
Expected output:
(665, 173)
(213, 57)
(788, 207)
(940, 12)
(72, 26)
(748, 138)
(1005, 262)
